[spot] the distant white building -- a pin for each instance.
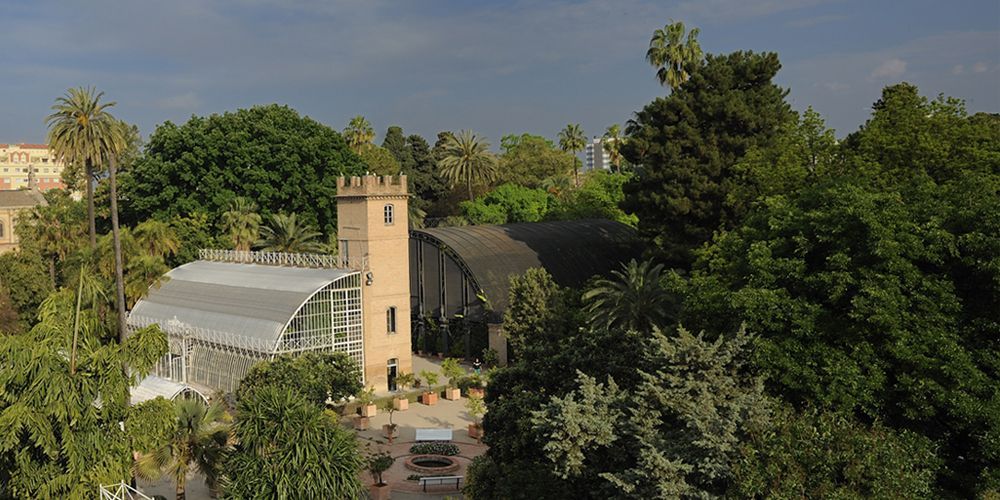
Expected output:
(597, 156)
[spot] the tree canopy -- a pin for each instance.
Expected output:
(269, 154)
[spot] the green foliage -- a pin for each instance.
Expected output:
(23, 276)
(476, 408)
(446, 449)
(508, 203)
(451, 368)
(635, 298)
(288, 233)
(466, 158)
(269, 154)
(430, 377)
(150, 424)
(314, 375)
(687, 147)
(404, 380)
(290, 448)
(673, 57)
(195, 232)
(573, 140)
(359, 134)
(529, 159)
(242, 222)
(61, 434)
(817, 454)
(891, 298)
(379, 463)
(380, 161)
(599, 197)
(536, 305)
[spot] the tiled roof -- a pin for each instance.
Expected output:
(33, 146)
(21, 198)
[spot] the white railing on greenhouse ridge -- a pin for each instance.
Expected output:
(219, 338)
(121, 491)
(282, 259)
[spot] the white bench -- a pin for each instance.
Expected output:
(441, 480)
(433, 435)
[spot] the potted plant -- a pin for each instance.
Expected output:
(429, 397)
(366, 398)
(377, 464)
(476, 386)
(476, 409)
(390, 428)
(453, 371)
(403, 380)
(360, 423)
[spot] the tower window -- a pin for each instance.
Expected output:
(390, 319)
(389, 215)
(1, 229)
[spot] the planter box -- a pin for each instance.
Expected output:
(475, 392)
(475, 432)
(388, 432)
(369, 410)
(379, 492)
(452, 394)
(400, 404)
(429, 398)
(360, 423)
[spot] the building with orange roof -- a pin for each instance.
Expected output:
(19, 162)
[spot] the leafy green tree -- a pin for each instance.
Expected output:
(317, 376)
(529, 159)
(270, 154)
(242, 222)
(673, 57)
(195, 232)
(467, 158)
(889, 298)
(54, 231)
(395, 143)
(508, 203)
(612, 143)
(81, 131)
(688, 144)
(62, 436)
(199, 442)
(359, 134)
(23, 276)
(380, 161)
(288, 447)
(286, 233)
(156, 238)
(573, 140)
(10, 322)
(634, 298)
(598, 198)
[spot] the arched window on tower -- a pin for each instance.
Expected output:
(1, 229)
(390, 320)
(389, 214)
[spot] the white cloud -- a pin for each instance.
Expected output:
(892, 68)
(980, 67)
(958, 69)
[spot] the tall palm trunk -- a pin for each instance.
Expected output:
(119, 279)
(468, 181)
(576, 169)
(90, 204)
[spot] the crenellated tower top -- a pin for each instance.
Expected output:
(372, 186)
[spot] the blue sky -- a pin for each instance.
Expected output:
(496, 67)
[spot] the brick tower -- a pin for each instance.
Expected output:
(373, 234)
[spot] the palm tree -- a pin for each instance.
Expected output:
(612, 144)
(671, 55)
(242, 222)
(117, 144)
(80, 131)
(573, 140)
(359, 134)
(466, 157)
(157, 238)
(200, 440)
(284, 233)
(635, 298)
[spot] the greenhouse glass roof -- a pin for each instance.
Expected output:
(250, 300)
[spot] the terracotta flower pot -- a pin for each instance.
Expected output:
(379, 492)
(476, 392)
(369, 410)
(452, 394)
(429, 398)
(360, 423)
(389, 432)
(400, 404)
(475, 431)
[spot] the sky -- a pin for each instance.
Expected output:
(495, 67)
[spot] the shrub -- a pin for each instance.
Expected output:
(447, 449)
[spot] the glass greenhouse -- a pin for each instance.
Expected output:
(222, 316)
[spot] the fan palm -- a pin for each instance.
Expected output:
(573, 140)
(359, 133)
(285, 233)
(612, 144)
(199, 441)
(467, 157)
(81, 131)
(672, 55)
(635, 298)
(242, 222)
(157, 238)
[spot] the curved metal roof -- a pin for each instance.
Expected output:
(248, 300)
(571, 251)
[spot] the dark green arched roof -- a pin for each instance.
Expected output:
(571, 251)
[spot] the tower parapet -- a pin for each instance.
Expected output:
(372, 186)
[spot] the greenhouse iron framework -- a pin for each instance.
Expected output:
(223, 317)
